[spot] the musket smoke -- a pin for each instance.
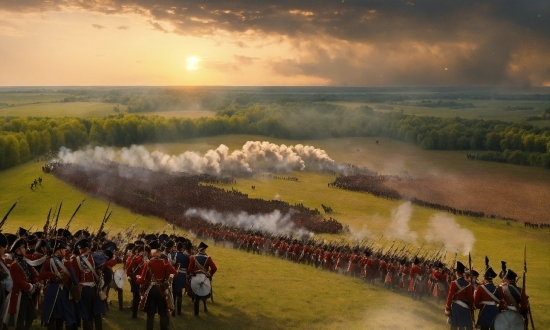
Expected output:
(253, 156)
(399, 226)
(444, 229)
(274, 222)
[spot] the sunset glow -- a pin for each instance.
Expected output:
(250, 43)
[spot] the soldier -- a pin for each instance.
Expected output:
(133, 268)
(416, 276)
(181, 258)
(90, 306)
(513, 298)
(21, 310)
(486, 299)
(155, 287)
(201, 263)
(59, 274)
(5, 279)
(460, 301)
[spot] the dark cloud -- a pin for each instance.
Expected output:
(484, 42)
(97, 26)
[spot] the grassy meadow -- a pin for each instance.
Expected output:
(263, 292)
(484, 109)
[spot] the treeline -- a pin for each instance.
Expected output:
(24, 138)
(149, 99)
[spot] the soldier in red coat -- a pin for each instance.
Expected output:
(6, 282)
(90, 306)
(460, 301)
(416, 276)
(201, 263)
(155, 281)
(134, 265)
(21, 311)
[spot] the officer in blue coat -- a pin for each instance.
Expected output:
(180, 259)
(486, 299)
(58, 307)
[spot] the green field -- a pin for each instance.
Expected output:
(484, 109)
(267, 293)
(86, 110)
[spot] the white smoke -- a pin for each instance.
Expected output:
(253, 156)
(359, 236)
(399, 226)
(274, 222)
(444, 229)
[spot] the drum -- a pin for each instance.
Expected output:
(200, 284)
(508, 320)
(119, 277)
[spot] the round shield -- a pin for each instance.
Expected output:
(200, 284)
(119, 278)
(508, 320)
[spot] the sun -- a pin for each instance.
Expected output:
(193, 63)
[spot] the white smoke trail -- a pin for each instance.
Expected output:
(399, 226)
(274, 222)
(253, 156)
(444, 229)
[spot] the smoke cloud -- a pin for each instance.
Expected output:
(254, 156)
(399, 226)
(444, 229)
(274, 222)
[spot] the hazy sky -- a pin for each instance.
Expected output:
(275, 42)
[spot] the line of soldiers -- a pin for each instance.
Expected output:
(65, 279)
(420, 276)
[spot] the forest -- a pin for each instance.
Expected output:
(294, 117)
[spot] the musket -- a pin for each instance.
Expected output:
(454, 260)
(57, 219)
(47, 223)
(523, 285)
(7, 214)
(72, 217)
(417, 252)
(105, 218)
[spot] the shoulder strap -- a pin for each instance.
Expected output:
(461, 288)
(508, 294)
(490, 294)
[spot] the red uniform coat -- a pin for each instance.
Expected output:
(453, 295)
(134, 266)
(155, 272)
(22, 284)
(415, 270)
(84, 275)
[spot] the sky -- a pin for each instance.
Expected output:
(385, 43)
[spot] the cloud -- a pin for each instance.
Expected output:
(495, 42)
(244, 60)
(157, 26)
(97, 26)
(123, 27)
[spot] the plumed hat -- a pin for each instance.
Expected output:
(460, 267)
(490, 273)
(202, 246)
(511, 275)
(21, 232)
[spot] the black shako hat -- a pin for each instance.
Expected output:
(82, 244)
(475, 273)
(17, 244)
(460, 267)
(21, 232)
(169, 244)
(202, 246)
(511, 275)
(3, 241)
(154, 245)
(57, 244)
(416, 261)
(490, 273)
